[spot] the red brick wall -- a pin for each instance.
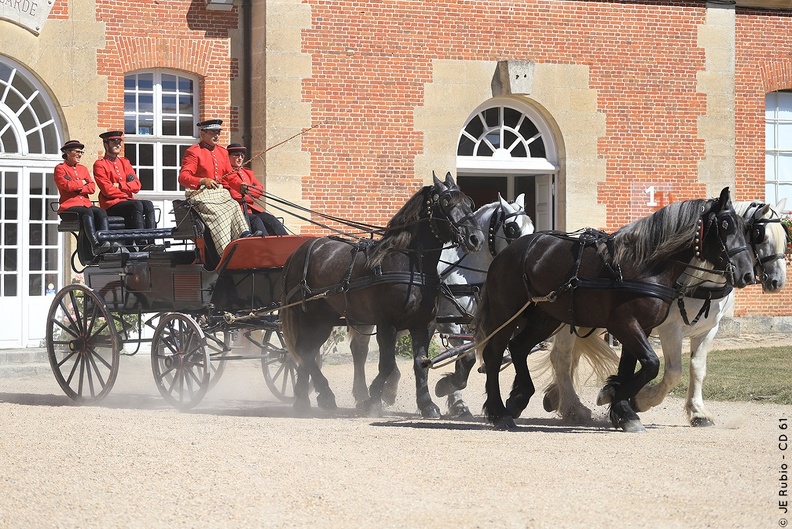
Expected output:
(763, 64)
(182, 36)
(372, 59)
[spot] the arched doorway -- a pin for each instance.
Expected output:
(507, 147)
(30, 252)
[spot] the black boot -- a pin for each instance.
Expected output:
(96, 246)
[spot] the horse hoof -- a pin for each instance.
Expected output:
(701, 422)
(302, 408)
(459, 411)
(606, 395)
(326, 402)
(391, 388)
(371, 408)
(431, 412)
(550, 402)
(505, 424)
(632, 426)
(444, 386)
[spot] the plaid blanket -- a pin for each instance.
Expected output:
(221, 214)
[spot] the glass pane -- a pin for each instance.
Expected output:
(770, 168)
(130, 103)
(784, 192)
(475, 128)
(509, 140)
(491, 117)
(528, 130)
(770, 143)
(170, 179)
(35, 234)
(8, 141)
(146, 154)
(169, 157)
(10, 209)
(519, 151)
(186, 127)
(35, 259)
(169, 126)
(36, 210)
(35, 145)
(35, 183)
(50, 135)
(10, 186)
(10, 234)
(145, 125)
(537, 148)
(511, 117)
(168, 82)
(145, 81)
(10, 285)
(52, 235)
(784, 167)
(484, 150)
(9, 260)
(146, 177)
(146, 103)
(130, 125)
(51, 259)
(130, 150)
(785, 106)
(770, 193)
(494, 138)
(169, 104)
(52, 189)
(785, 136)
(34, 285)
(52, 284)
(185, 85)
(465, 147)
(130, 82)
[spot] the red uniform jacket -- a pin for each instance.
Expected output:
(234, 181)
(109, 172)
(202, 162)
(69, 181)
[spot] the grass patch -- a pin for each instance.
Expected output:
(762, 374)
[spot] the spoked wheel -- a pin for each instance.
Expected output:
(279, 368)
(180, 360)
(219, 345)
(82, 344)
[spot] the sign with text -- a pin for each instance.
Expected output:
(30, 14)
(646, 198)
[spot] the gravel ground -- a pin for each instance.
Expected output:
(241, 459)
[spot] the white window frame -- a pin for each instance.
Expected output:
(778, 148)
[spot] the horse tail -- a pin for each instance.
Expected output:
(288, 314)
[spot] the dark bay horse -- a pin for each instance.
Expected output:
(391, 283)
(623, 282)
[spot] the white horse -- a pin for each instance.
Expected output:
(697, 316)
(462, 275)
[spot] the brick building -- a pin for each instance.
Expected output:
(598, 111)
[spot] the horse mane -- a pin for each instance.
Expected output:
(653, 239)
(400, 230)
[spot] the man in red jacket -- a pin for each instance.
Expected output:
(246, 189)
(118, 185)
(75, 186)
(203, 168)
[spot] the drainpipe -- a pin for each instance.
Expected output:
(247, 67)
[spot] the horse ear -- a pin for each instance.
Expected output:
(761, 212)
(450, 180)
(725, 199)
(781, 205)
(520, 200)
(437, 183)
(504, 203)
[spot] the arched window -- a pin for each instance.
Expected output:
(160, 112)
(778, 148)
(507, 147)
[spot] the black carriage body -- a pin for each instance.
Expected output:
(165, 283)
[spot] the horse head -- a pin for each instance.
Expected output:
(768, 239)
(507, 223)
(451, 215)
(720, 239)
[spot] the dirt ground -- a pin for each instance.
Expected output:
(241, 459)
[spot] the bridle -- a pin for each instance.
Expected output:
(724, 223)
(511, 229)
(757, 232)
(439, 207)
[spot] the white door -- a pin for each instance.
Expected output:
(545, 204)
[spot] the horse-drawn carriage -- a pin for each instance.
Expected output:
(193, 300)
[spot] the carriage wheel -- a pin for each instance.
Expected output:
(82, 344)
(180, 360)
(278, 366)
(219, 345)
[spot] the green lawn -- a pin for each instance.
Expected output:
(763, 375)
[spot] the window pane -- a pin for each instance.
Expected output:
(491, 117)
(146, 177)
(10, 285)
(34, 285)
(537, 148)
(35, 233)
(511, 117)
(784, 167)
(770, 169)
(169, 126)
(170, 180)
(785, 136)
(785, 106)
(11, 186)
(465, 147)
(186, 127)
(770, 142)
(475, 128)
(9, 260)
(36, 211)
(145, 103)
(146, 154)
(145, 125)
(168, 82)
(10, 209)
(145, 81)
(169, 104)
(52, 235)
(35, 259)
(51, 259)
(185, 85)
(784, 192)
(169, 157)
